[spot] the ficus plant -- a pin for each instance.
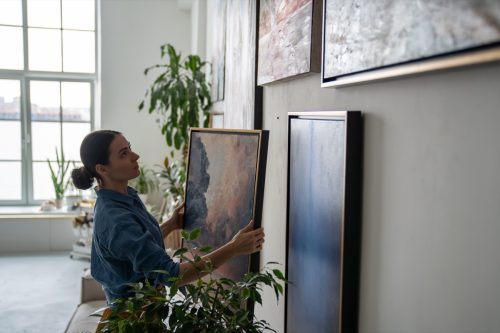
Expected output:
(146, 182)
(180, 96)
(208, 305)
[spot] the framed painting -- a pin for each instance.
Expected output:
(366, 41)
(224, 189)
(289, 39)
(323, 221)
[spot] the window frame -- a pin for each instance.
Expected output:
(24, 77)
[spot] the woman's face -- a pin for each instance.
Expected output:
(122, 164)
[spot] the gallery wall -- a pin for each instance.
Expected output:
(131, 35)
(430, 196)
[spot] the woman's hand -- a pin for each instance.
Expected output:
(248, 240)
(176, 221)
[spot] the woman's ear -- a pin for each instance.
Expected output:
(101, 169)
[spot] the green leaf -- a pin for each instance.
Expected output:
(279, 274)
(195, 233)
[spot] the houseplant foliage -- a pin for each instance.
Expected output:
(209, 305)
(180, 95)
(146, 182)
(58, 175)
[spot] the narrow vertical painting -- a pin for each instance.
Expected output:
(224, 189)
(323, 221)
(289, 39)
(219, 50)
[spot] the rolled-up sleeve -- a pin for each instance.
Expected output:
(128, 240)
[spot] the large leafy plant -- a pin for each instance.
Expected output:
(209, 305)
(58, 174)
(180, 96)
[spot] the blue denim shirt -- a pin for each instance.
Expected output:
(127, 244)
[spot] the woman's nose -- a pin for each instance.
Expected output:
(136, 157)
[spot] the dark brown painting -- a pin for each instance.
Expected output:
(289, 33)
(223, 191)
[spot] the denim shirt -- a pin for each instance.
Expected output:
(127, 244)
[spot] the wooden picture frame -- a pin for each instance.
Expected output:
(225, 189)
(323, 221)
(436, 36)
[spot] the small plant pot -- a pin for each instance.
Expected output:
(59, 203)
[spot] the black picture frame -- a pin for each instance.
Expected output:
(317, 300)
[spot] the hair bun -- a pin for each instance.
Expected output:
(82, 179)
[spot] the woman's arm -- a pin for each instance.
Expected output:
(246, 241)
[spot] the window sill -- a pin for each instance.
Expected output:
(29, 212)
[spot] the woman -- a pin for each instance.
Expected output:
(127, 243)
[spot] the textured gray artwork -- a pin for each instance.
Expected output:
(363, 35)
(285, 39)
(219, 51)
(240, 81)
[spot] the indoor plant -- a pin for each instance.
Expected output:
(208, 305)
(180, 95)
(59, 179)
(145, 183)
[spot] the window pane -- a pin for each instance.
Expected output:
(10, 140)
(78, 14)
(73, 134)
(45, 137)
(11, 46)
(11, 12)
(78, 51)
(44, 49)
(45, 100)
(44, 13)
(42, 182)
(10, 99)
(10, 178)
(75, 100)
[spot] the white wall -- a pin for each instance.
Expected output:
(132, 32)
(431, 212)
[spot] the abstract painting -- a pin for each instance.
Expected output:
(361, 36)
(242, 98)
(323, 227)
(289, 39)
(218, 50)
(224, 189)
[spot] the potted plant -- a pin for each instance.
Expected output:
(145, 183)
(208, 305)
(58, 176)
(180, 96)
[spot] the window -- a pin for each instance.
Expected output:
(47, 82)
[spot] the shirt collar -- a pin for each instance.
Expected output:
(107, 193)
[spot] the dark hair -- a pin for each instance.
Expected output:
(93, 150)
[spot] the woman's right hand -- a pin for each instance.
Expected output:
(248, 240)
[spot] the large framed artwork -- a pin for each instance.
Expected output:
(224, 189)
(365, 41)
(289, 39)
(323, 221)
